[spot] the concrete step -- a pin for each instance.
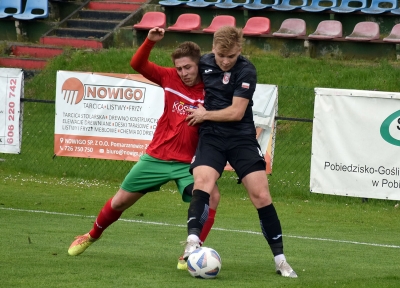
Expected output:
(113, 6)
(23, 63)
(91, 24)
(81, 33)
(34, 51)
(72, 42)
(103, 15)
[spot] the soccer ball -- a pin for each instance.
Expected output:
(204, 262)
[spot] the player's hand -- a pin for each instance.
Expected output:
(196, 116)
(156, 34)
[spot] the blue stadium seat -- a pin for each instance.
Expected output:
(346, 8)
(320, 5)
(258, 5)
(395, 11)
(377, 8)
(286, 6)
(173, 2)
(10, 8)
(34, 9)
(202, 3)
(228, 4)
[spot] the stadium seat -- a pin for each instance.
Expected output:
(380, 6)
(229, 4)
(291, 28)
(320, 5)
(151, 20)
(328, 29)
(219, 21)
(365, 31)
(346, 8)
(202, 3)
(12, 6)
(286, 6)
(258, 5)
(394, 35)
(395, 11)
(186, 22)
(173, 2)
(34, 9)
(257, 26)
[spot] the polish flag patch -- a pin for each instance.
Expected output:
(245, 85)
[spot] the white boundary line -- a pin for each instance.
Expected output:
(214, 228)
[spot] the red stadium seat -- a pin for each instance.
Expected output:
(219, 21)
(291, 28)
(394, 35)
(365, 31)
(151, 20)
(186, 22)
(328, 29)
(257, 26)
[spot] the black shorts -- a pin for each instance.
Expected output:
(242, 152)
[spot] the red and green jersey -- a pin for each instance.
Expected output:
(174, 139)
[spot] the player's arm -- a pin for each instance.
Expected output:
(140, 60)
(235, 112)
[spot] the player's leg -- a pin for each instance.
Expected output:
(208, 165)
(250, 167)
(256, 184)
(214, 200)
(185, 183)
(199, 205)
(212, 210)
(198, 211)
(110, 213)
(144, 177)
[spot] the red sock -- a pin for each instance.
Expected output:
(106, 217)
(207, 226)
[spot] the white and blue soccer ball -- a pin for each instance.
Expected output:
(204, 262)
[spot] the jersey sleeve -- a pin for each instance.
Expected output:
(246, 82)
(140, 62)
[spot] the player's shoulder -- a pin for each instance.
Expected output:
(245, 63)
(207, 58)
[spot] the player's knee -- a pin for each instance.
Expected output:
(123, 200)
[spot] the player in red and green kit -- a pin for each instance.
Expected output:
(173, 146)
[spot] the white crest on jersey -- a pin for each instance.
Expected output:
(227, 76)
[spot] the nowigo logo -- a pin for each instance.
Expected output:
(74, 91)
(387, 133)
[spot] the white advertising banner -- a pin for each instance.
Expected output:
(106, 116)
(356, 144)
(113, 116)
(11, 85)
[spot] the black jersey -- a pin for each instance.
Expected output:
(221, 86)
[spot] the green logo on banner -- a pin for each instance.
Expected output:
(385, 128)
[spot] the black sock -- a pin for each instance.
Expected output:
(271, 228)
(188, 190)
(198, 211)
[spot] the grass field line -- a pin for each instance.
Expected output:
(214, 228)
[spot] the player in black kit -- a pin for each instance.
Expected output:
(227, 133)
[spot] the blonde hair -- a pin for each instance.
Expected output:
(228, 37)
